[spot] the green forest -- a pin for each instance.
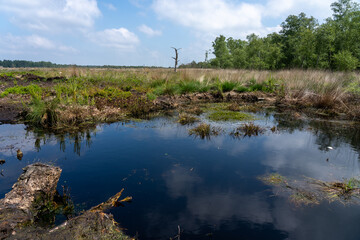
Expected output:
(301, 43)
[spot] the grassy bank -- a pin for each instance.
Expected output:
(71, 97)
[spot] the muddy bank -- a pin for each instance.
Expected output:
(13, 109)
(35, 192)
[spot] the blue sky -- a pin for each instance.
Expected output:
(136, 32)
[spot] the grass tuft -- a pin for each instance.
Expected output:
(185, 119)
(248, 129)
(204, 131)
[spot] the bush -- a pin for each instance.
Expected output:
(345, 61)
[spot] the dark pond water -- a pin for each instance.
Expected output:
(209, 188)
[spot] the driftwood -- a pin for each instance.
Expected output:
(17, 210)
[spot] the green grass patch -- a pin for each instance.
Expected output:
(30, 89)
(166, 89)
(241, 89)
(230, 116)
(228, 86)
(191, 87)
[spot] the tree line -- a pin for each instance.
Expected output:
(43, 64)
(301, 43)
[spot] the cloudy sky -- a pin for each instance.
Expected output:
(135, 32)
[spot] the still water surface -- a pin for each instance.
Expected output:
(209, 188)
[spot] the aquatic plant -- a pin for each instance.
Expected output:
(185, 118)
(303, 197)
(248, 129)
(342, 191)
(309, 191)
(204, 131)
(273, 129)
(230, 116)
(273, 179)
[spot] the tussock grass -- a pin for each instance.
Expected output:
(248, 129)
(185, 119)
(204, 131)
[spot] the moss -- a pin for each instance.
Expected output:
(234, 107)
(230, 116)
(273, 179)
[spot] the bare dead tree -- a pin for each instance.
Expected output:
(176, 58)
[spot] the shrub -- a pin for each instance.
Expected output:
(345, 61)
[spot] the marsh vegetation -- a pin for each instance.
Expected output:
(77, 97)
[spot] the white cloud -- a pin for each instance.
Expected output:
(236, 18)
(119, 38)
(139, 3)
(110, 6)
(18, 44)
(205, 15)
(282, 8)
(149, 31)
(39, 42)
(51, 15)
